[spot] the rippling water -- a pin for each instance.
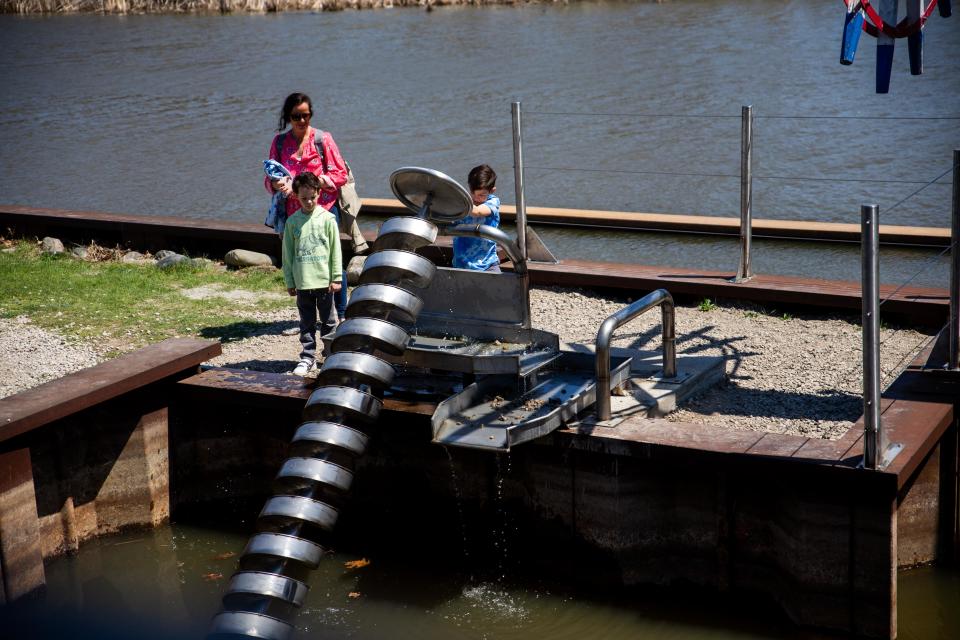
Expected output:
(172, 114)
(167, 583)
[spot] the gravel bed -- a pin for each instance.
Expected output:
(30, 356)
(793, 375)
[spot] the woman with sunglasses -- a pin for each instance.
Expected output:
(298, 149)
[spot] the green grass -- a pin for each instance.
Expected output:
(706, 305)
(125, 305)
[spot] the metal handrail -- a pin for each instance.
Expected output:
(496, 235)
(659, 297)
(953, 358)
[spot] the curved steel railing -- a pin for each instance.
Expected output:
(497, 235)
(659, 297)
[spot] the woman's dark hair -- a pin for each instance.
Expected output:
(306, 179)
(482, 177)
(293, 100)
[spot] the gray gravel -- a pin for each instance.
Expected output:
(30, 356)
(797, 375)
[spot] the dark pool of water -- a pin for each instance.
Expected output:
(167, 583)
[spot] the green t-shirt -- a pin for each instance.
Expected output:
(311, 250)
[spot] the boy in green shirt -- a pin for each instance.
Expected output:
(312, 266)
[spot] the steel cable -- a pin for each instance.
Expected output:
(733, 175)
(926, 265)
(921, 188)
(719, 117)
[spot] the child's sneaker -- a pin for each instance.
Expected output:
(303, 368)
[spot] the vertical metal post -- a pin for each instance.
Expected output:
(873, 445)
(518, 179)
(745, 271)
(953, 361)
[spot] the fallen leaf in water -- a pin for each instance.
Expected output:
(211, 577)
(356, 564)
(353, 594)
(224, 556)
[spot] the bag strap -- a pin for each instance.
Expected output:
(319, 147)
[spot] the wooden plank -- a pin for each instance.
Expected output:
(684, 435)
(928, 302)
(21, 559)
(713, 225)
(272, 389)
(777, 445)
(581, 218)
(74, 392)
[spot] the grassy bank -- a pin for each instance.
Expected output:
(124, 306)
(227, 6)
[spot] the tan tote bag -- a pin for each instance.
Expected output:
(349, 203)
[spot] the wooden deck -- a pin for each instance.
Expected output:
(914, 420)
(919, 303)
(46, 403)
(207, 237)
(704, 225)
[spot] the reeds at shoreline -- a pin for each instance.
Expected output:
(225, 6)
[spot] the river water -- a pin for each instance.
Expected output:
(627, 106)
(167, 583)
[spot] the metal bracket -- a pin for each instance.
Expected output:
(892, 451)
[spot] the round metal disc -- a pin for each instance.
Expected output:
(360, 334)
(300, 508)
(339, 404)
(268, 584)
(405, 233)
(401, 268)
(317, 471)
(334, 434)
(249, 625)
(383, 301)
(413, 186)
(284, 546)
(351, 369)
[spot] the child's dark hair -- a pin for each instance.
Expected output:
(482, 177)
(306, 179)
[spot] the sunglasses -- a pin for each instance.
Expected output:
(300, 117)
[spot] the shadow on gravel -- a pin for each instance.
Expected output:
(241, 330)
(692, 343)
(827, 405)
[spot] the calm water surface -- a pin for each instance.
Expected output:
(172, 115)
(168, 583)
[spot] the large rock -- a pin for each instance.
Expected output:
(132, 257)
(242, 258)
(163, 253)
(354, 268)
(171, 259)
(51, 245)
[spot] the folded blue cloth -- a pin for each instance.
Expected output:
(277, 214)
